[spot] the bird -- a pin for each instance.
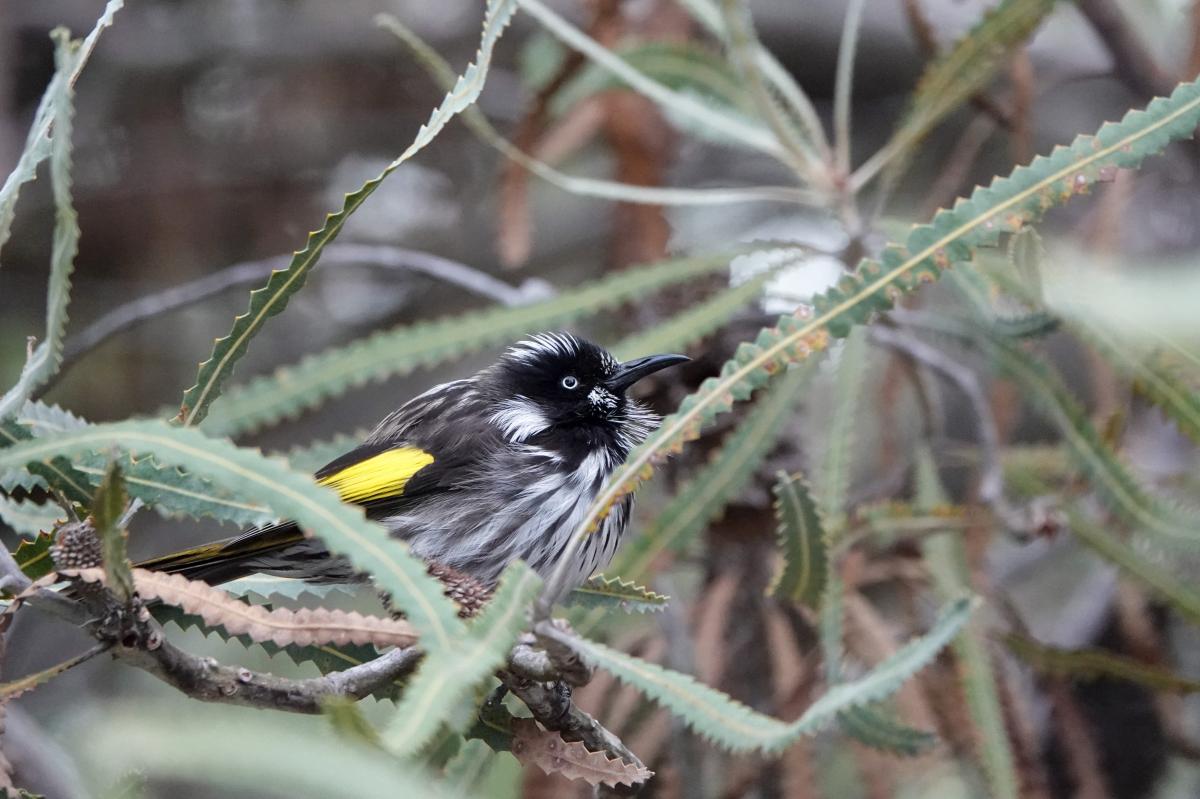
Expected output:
(475, 473)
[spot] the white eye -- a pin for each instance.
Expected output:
(570, 383)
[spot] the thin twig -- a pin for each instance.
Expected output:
(130, 314)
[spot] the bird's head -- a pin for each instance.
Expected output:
(558, 381)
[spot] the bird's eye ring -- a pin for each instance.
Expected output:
(570, 383)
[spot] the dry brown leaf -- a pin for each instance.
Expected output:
(281, 626)
(549, 752)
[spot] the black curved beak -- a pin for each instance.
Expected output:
(630, 372)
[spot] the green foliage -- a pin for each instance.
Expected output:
(731, 725)
(613, 593)
(319, 377)
(802, 541)
(954, 77)
(44, 358)
(33, 556)
(1083, 665)
(704, 498)
(445, 676)
(28, 517)
(107, 509)
(877, 729)
(272, 298)
(343, 529)
(833, 478)
(1008, 204)
(947, 558)
(247, 752)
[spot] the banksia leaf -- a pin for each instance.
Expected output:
(15, 688)
(272, 298)
(447, 675)
(1083, 665)
(736, 727)
(874, 728)
(802, 541)
(1027, 255)
(467, 769)
(280, 626)
(613, 593)
(834, 475)
(44, 358)
(316, 378)
(1005, 206)
(107, 508)
(33, 556)
(28, 518)
(548, 751)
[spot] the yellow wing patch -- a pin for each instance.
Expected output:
(378, 477)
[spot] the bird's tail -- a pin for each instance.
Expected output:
(262, 549)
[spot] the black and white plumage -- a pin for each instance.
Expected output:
(478, 472)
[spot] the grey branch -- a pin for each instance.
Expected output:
(126, 316)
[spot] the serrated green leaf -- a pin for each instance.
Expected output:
(879, 730)
(1006, 205)
(704, 497)
(802, 542)
(28, 518)
(272, 298)
(38, 143)
(445, 676)
(1178, 594)
(348, 721)
(467, 769)
(1092, 664)
(14, 688)
(107, 508)
(947, 558)
(44, 358)
(951, 79)
(169, 491)
(683, 329)
(317, 509)
(613, 593)
(319, 377)
(1027, 255)
(239, 752)
(311, 457)
(832, 478)
(734, 726)
(33, 556)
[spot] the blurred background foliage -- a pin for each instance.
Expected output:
(1024, 430)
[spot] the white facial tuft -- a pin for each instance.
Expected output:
(520, 419)
(602, 399)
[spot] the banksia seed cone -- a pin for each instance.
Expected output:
(76, 546)
(470, 594)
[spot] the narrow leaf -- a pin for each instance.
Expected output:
(613, 593)
(548, 751)
(44, 359)
(280, 626)
(107, 508)
(447, 675)
(802, 542)
(28, 518)
(878, 730)
(832, 478)
(272, 298)
(33, 556)
(731, 725)
(1094, 664)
